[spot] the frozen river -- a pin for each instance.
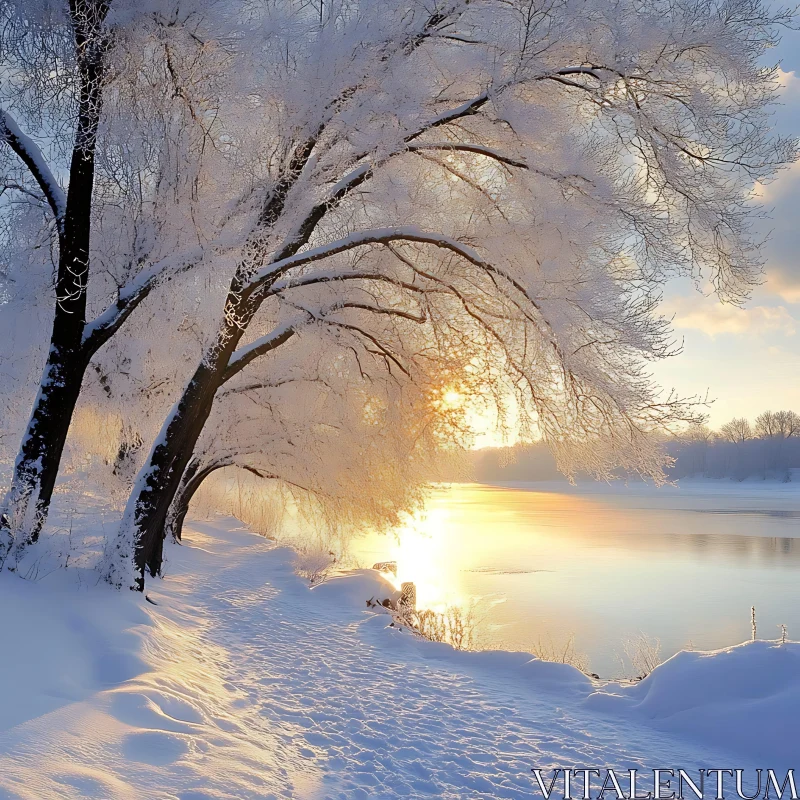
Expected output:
(601, 565)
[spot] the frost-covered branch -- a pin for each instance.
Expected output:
(382, 236)
(33, 158)
(468, 147)
(321, 277)
(129, 296)
(261, 346)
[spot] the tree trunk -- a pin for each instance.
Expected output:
(162, 478)
(191, 481)
(36, 468)
(141, 533)
(143, 525)
(37, 464)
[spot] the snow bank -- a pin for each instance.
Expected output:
(62, 640)
(244, 683)
(354, 589)
(744, 698)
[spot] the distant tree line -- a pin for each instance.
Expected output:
(768, 448)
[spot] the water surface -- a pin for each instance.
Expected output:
(603, 565)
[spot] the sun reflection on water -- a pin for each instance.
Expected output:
(423, 554)
(600, 566)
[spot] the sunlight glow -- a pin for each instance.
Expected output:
(452, 399)
(423, 552)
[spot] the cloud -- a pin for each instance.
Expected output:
(714, 318)
(782, 249)
(784, 282)
(787, 80)
(782, 197)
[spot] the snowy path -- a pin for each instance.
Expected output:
(243, 683)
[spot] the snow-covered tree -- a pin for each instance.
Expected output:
(503, 183)
(355, 449)
(106, 109)
(776, 429)
(352, 443)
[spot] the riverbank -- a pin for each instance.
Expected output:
(601, 565)
(696, 491)
(245, 683)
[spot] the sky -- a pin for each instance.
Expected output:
(748, 359)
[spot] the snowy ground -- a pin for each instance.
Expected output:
(244, 683)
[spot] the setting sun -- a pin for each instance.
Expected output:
(452, 399)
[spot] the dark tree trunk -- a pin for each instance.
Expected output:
(158, 483)
(148, 507)
(37, 464)
(192, 479)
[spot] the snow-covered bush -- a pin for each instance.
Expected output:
(643, 653)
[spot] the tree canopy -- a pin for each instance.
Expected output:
(302, 218)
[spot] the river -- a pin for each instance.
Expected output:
(549, 564)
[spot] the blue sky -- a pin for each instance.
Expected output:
(748, 360)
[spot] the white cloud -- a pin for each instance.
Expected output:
(787, 80)
(784, 286)
(714, 318)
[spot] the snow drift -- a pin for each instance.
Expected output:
(244, 683)
(745, 698)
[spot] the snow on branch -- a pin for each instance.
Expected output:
(33, 158)
(470, 107)
(249, 352)
(466, 109)
(276, 384)
(382, 236)
(364, 171)
(335, 276)
(108, 322)
(282, 333)
(387, 236)
(477, 149)
(396, 312)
